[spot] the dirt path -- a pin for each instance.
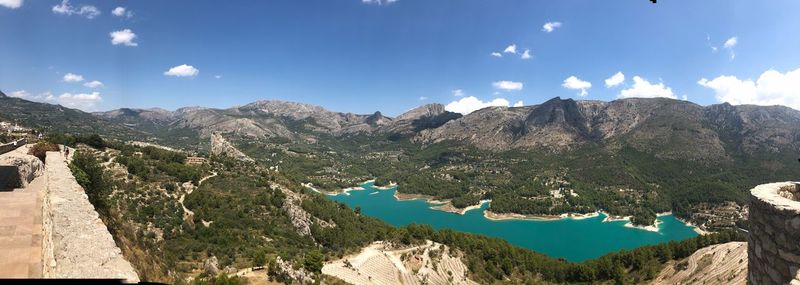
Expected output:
(187, 214)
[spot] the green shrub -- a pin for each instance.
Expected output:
(40, 149)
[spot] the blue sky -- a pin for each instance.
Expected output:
(355, 56)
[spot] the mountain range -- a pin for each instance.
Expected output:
(660, 126)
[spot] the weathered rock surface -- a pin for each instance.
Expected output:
(299, 276)
(717, 264)
(29, 166)
(222, 147)
(77, 243)
(301, 220)
(379, 263)
(211, 266)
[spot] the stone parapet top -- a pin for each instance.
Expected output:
(80, 245)
(776, 194)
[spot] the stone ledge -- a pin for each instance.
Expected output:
(77, 243)
(777, 195)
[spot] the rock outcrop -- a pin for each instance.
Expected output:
(211, 266)
(301, 220)
(299, 276)
(222, 147)
(76, 242)
(379, 263)
(28, 166)
(717, 264)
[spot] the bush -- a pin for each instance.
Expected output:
(80, 176)
(94, 141)
(40, 149)
(170, 187)
(313, 261)
(95, 184)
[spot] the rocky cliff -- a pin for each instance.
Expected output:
(660, 126)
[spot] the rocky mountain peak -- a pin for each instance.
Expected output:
(377, 119)
(428, 110)
(555, 110)
(2, 95)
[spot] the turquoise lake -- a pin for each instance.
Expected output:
(571, 239)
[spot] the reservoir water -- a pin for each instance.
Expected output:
(571, 239)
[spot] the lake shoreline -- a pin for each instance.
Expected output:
(551, 235)
(514, 216)
(697, 229)
(447, 206)
(346, 191)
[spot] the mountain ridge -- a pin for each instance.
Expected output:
(657, 125)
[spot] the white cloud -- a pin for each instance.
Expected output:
(13, 4)
(218, 76)
(83, 101)
(771, 88)
(730, 44)
(124, 37)
(119, 11)
(378, 2)
(708, 41)
(122, 12)
(19, 94)
(507, 85)
(526, 54)
(64, 8)
(46, 96)
(497, 54)
(644, 89)
(518, 104)
(93, 84)
(71, 77)
(458, 93)
(182, 70)
(423, 98)
(511, 49)
(550, 26)
(615, 79)
(575, 83)
(88, 11)
(470, 104)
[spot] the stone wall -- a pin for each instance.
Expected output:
(76, 243)
(12, 145)
(774, 241)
